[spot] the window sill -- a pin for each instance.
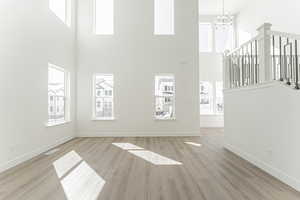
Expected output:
(172, 119)
(59, 123)
(104, 119)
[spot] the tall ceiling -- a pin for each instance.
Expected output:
(214, 7)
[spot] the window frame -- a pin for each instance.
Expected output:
(156, 28)
(67, 97)
(94, 117)
(174, 97)
(95, 20)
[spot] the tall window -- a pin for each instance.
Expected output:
(62, 9)
(58, 95)
(104, 97)
(224, 38)
(205, 37)
(165, 97)
(219, 98)
(164, 17)
(211, 98)
(206, 98)
(104, 17)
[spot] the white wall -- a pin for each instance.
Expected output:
(30, 37)
(282, 14)
(262, 126)
(134, 55)
(210, 69)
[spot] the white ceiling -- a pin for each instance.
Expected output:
(214, 7)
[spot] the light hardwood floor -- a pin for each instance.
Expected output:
(155, 169)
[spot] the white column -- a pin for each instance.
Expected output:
(265, 65)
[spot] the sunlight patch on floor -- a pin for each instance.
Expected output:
(83, 183)
(127, 146)
(154, 158)
(194, 144)
(78, 179)
(66, 163)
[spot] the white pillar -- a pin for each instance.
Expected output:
(265, 64)
(226, 76)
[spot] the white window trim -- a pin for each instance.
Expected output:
(174, 97)
(94, 118)
(67, 118)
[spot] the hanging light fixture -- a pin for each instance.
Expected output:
(224, 20)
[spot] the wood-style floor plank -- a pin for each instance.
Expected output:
(165, 168)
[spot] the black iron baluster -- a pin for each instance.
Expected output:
(297, 65)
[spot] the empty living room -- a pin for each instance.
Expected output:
(149, 100)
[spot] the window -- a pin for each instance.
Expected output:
(211, 98)
(205, 37)
(224, 38)
(219, 98)
(62, 9)
(164, 17)
(104, 17)
(58, 95)
(103, 97)
(206, 98)
(165, 97)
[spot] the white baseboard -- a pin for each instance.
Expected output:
(32, 154)
(138, 134)
(279, 174)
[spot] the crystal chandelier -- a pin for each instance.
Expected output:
(224, 20)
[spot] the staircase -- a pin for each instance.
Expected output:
(262, 123)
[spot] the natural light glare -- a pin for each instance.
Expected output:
(62, 9)
(154, 158)
(194, 144)
(164, 17)
(104, 17)
(205, 37)
(66, 163)
(127, 146)
(83, 183)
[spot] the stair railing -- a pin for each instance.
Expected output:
(271, 55)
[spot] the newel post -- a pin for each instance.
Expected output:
(265, 65)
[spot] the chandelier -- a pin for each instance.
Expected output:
(224, 20)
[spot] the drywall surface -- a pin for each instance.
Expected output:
(30, 37)
(134, 55)
(262, 126)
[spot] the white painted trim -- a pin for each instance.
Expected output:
(252, 87)
(277, 173)
(137, 134)
(27, 156)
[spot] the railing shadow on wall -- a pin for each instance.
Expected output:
(269, 56)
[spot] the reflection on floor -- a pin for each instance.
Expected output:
(194, 144)
(79, 180)
(149, 156)
(169, 168)
(155, 158)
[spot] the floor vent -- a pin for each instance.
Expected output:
(53, 151)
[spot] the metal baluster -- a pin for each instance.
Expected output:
(280, 59)
(297, 65)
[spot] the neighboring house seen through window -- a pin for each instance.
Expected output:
(103, 98)
(165, 97)
(58, 98)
